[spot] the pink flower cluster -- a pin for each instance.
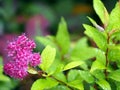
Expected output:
(21, 56)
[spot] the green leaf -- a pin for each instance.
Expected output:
(83, 42)
(6, 86)
(81, 51)
(118, 63)
(59, 68)
(101, 57)
(76, 84)
(99, 74)
(42, 42)
(73, 64)
(114, 18)
(4, 78)
(74, 75)
(32, 70)
(92, 88)
(97, 65)
(103, 84)
(95, 24)
(60, 87)
(101, 11)
(98, 37)
(62, 37)
(60, 76)
(56, 67)
(92, 21)
(100, 61)
(114, 53)
(84, 66)
(115, 75)
(75, 80)
(115, 35)
(86, 76)
(42, 84)
(117, 85)
(48, 56)
(45, 41)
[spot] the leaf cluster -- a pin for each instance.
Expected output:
(83, 67)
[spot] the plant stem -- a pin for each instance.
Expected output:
(63, 83)
(95, 87)
(106, 63)
(106, 54)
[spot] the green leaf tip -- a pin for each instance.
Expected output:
(101, 11)
(104, 84)
(62, 37)
(114, 22)
(98, 37)
(96, 25)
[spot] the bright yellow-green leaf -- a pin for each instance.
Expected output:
(45, 41)
(32, 70)
(96, 25)
(82, 51)
(97, 65)
(42, 84)
(101, 11)
(76, 84)
(74, 75)
(86, 76)
(62, 37)
(114, 53)
(73, 64)
(60, 87)
(103, 84)
(47, 56)
(60, 76)
(114, 22)
(98, 37)
(115, 75)
(4, 78)
(100, 61)
(99, 74)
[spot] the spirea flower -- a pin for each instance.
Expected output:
(20, 52)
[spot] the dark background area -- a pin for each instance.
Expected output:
(15, 14)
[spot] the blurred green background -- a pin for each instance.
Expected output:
(16, 14)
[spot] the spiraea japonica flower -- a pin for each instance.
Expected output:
(20, 52)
